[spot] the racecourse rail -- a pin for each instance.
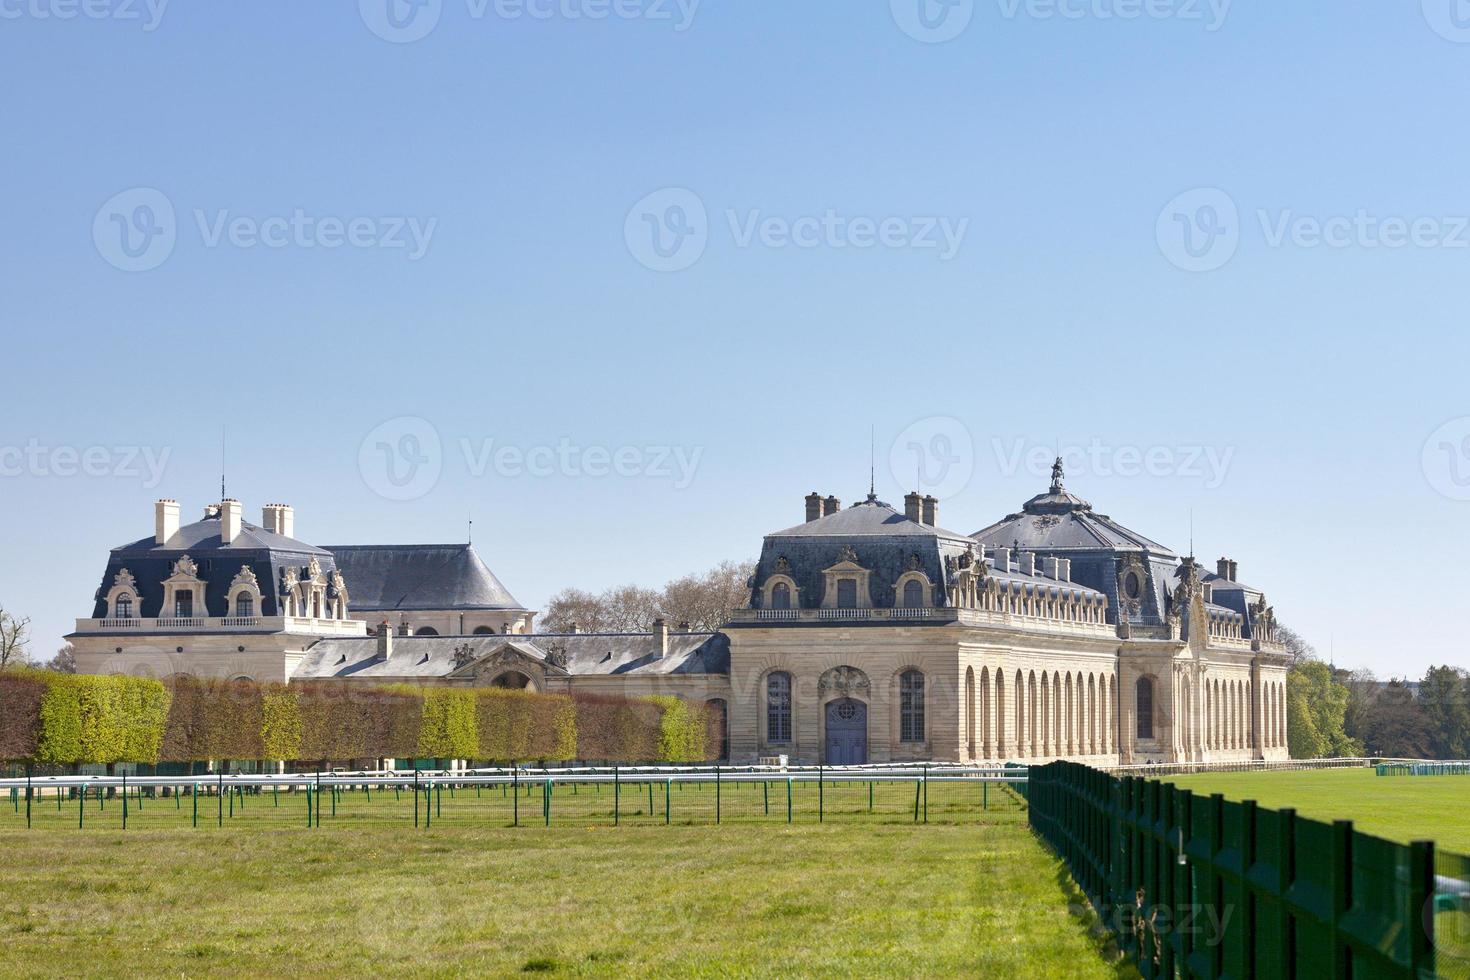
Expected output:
(429, 785)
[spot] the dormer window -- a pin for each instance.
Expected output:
(184, 604)
(124, 607)
(244, 605)
(781, 596)
(847, 593)
(913, 594)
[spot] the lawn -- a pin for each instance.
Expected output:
(1401, 808)
(971, 892)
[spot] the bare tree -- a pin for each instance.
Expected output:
(707, 601)
(1296, 646)
(65, 661)
(631, 608)
(704, 601)
(575, 609)
(13, 635)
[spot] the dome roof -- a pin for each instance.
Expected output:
(1058, 521)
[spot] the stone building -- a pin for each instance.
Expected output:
(871, 635)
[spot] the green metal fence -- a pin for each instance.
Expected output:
(1198, 886)
(1423, 769)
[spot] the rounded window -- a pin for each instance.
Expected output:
(1132, 586)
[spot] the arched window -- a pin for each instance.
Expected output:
(124, 607)
(847, 593)
(1143, 695)
(244, 605)
(426, 631)
(911, 706)
(484, 630)
(781, 596)
(913, 594)
(778, 708)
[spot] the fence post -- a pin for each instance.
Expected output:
(415, 795)
(195, 796)
(515, 778)
(1421, 908)
(766, 792)
(788, 798)
(821, 794)
(1342, 882)
(668, 796)
(926, 792)
(221, 799)
(617, 796)
(125, 800)
(81, 805)
(717, 792)
(28, 796)
(546, 801)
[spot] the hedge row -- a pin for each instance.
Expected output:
(62, 718)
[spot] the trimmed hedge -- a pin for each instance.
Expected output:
(70, 718)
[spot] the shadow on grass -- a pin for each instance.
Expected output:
(1080, 908)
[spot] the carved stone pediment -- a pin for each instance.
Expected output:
(186, 568)
(245, 578)
(124, 580)
(847, 554)
(844, 682)
(314, 571)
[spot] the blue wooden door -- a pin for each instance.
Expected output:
(847, 733)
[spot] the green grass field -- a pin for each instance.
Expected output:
(971, 892)
(1401, 808)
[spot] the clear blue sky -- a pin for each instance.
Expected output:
(1051, 145)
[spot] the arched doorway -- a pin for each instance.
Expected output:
(847, 732)
(512, 680)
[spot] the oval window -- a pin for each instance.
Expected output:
(1132, 586)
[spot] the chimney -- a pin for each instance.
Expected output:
(661, 636)
(814, 507)
(1065, 569)
(229, 520)
(1026, 560)
(913, 507)
(1053, 568)
(1002, 559)
(684, 627)
(385, 641)
(833, 506)
(165, 520)
(931, 511)
(1234, 570)
(572, 629)
(279, 519)
(1222, 568)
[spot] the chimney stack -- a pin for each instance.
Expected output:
(1002, 559)
(931, 511)
(1226, 569)
(833, 506)
(815, 507)
(385, 641)
(165, 520)
(229, 520)
(1234, 570)
(661, 636)
(1065, 569)
(279, 519)
(1053, 568)
(1026, 561)
(913, 507)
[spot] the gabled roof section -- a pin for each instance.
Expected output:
(870, 518)
(384, 577)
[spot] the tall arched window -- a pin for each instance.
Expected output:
(781, 596)
(911, 706)
(913, 594)
(778, 708)
(1143, 695)
(124, 606)
(244, 605)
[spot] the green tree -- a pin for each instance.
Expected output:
(1397, 724)
(1445, 695)
(1316, 706)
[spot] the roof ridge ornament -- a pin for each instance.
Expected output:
(1058, 474)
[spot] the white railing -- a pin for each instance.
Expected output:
(122, 623)
(240, 621)
(197, 624)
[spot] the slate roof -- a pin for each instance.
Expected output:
(266, 553)
(384, 577)
(586, 653)
(1060, 522)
